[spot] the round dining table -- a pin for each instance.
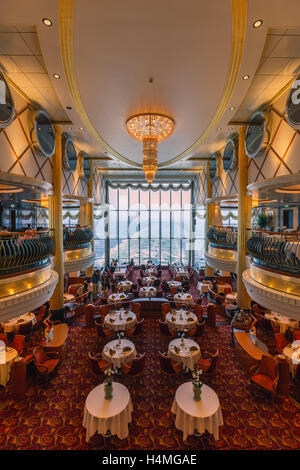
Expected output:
(125, 286)
(113, 415)
(176, 284)
(292, 352)
(181, 319)
(5, 361)
(116, 298)
(13, 325)
(151, 272)
(148, 280)
(119, 320)
(180, 351)
(183, 298)
(283, 321)
(117, 354)
(203, 415)
(147, 291)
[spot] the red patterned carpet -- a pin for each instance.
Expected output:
(51, 418)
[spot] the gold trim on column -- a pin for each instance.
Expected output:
(239, 22)
(22, 282)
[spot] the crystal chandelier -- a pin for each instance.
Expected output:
(150, 129)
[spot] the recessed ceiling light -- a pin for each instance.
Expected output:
(69, 128)
(257, 24)
(81, 128)
(232, 108)
(47, 22)
(69, 107)
(56, 75)
(245, 77)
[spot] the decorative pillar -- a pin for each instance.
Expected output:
(244, 218)
(209, 215)
(56, 224)
(90, 216)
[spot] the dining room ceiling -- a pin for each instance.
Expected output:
(183, 59)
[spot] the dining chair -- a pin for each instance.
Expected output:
(98, 365)
(265, 375)
(168, 366)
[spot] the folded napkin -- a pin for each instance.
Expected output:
(112, 352)
(190, 319)
(111, 320)
(129, 318)
(176, 349)
(193, 348)
(173, 318)
(127, 349)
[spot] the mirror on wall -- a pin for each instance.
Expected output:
(230, 153)
(293, 105)
(42, 134)
(257, 135)
(69, 153)
(7, 109)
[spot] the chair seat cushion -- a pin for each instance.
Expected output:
(102, 364)
(204, 364)
(264, 381)
(50, 364)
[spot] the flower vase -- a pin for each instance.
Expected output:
(108, 388)
(197, 393)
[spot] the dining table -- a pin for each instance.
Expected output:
(231, 298)
(176, 284)
(119, 351)
(283, 321)
(147, 291)
(203, 287)
(221, 288)
(6, 358)
(117, 298)
(292, 352)
(151, 272)
(186, 351)
(119, 320)
(148, 280)
(183, 298)
(13, 324)
(107, 415)
(124, 286)
(181, 319)
(200, 416)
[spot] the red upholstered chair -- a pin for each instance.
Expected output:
(168, 366)
(197, 332)
(165, 330)
(165, 308)
(25, 328)
(296, 335)
(3, 337)
(45, 362)
(137, 330)
(227, 290)
(174, 291)
(208, 365)
(104, 309)
(135, 367)
(265, 374)
(136, 308)
(40, 316)
(102, 331)
(18, 343)
(98, 365)
(198, 311)
(281, 342)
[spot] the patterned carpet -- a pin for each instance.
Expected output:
(51, 417)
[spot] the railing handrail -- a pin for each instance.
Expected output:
(224, 236)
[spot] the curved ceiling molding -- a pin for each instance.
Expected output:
(66, 15)
(239, 20)
(239, 23)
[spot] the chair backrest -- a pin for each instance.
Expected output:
(137, 365)
(18, 343)
(25, 328)
(138, 327)
(213, 363)
(280, 340)
(165, 363)
(165, 308)
(39, 354)
(174, 291)
(198, 310)
(104, 310)
(269, 367)
(136, 308)
(99, 327)
(200, 329)
(296, 335)
(164, 328)
(94, 364)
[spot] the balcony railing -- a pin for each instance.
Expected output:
(278, 251)
(75, 238)
(226, 237)
(23, 252)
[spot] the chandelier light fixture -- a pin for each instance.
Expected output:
(150, 129)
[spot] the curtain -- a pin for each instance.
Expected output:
(152, 187)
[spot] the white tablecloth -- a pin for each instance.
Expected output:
(191, 415)
(14, 323)
(231, 298)
(120, 322)
(144, 291)
(119, 357)
(292, 352)
(151, 272)
(284, 322)
(187, 357)
(222, 287)
(119, 272)
(125, 286)
(181, 272)
(183, 298)
(112, 415)
(148, 280)
(10, 355)
(115, 298)
(176, 284)
(181, 321)
(202, 287)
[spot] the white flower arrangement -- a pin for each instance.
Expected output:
(109, 375)
(121, 334)
(196, 380)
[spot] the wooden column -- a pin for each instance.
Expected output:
(56, 224)
(244, 216)
(90, 216)
(209, 215)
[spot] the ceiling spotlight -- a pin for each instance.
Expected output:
(69, 128)
(232, 108)
(56, 75)
(47, 22)
(81, 128)
(68, 107)
(245, 77)
(257, 24)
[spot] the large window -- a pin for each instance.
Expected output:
(150, 224)
(200, 235)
